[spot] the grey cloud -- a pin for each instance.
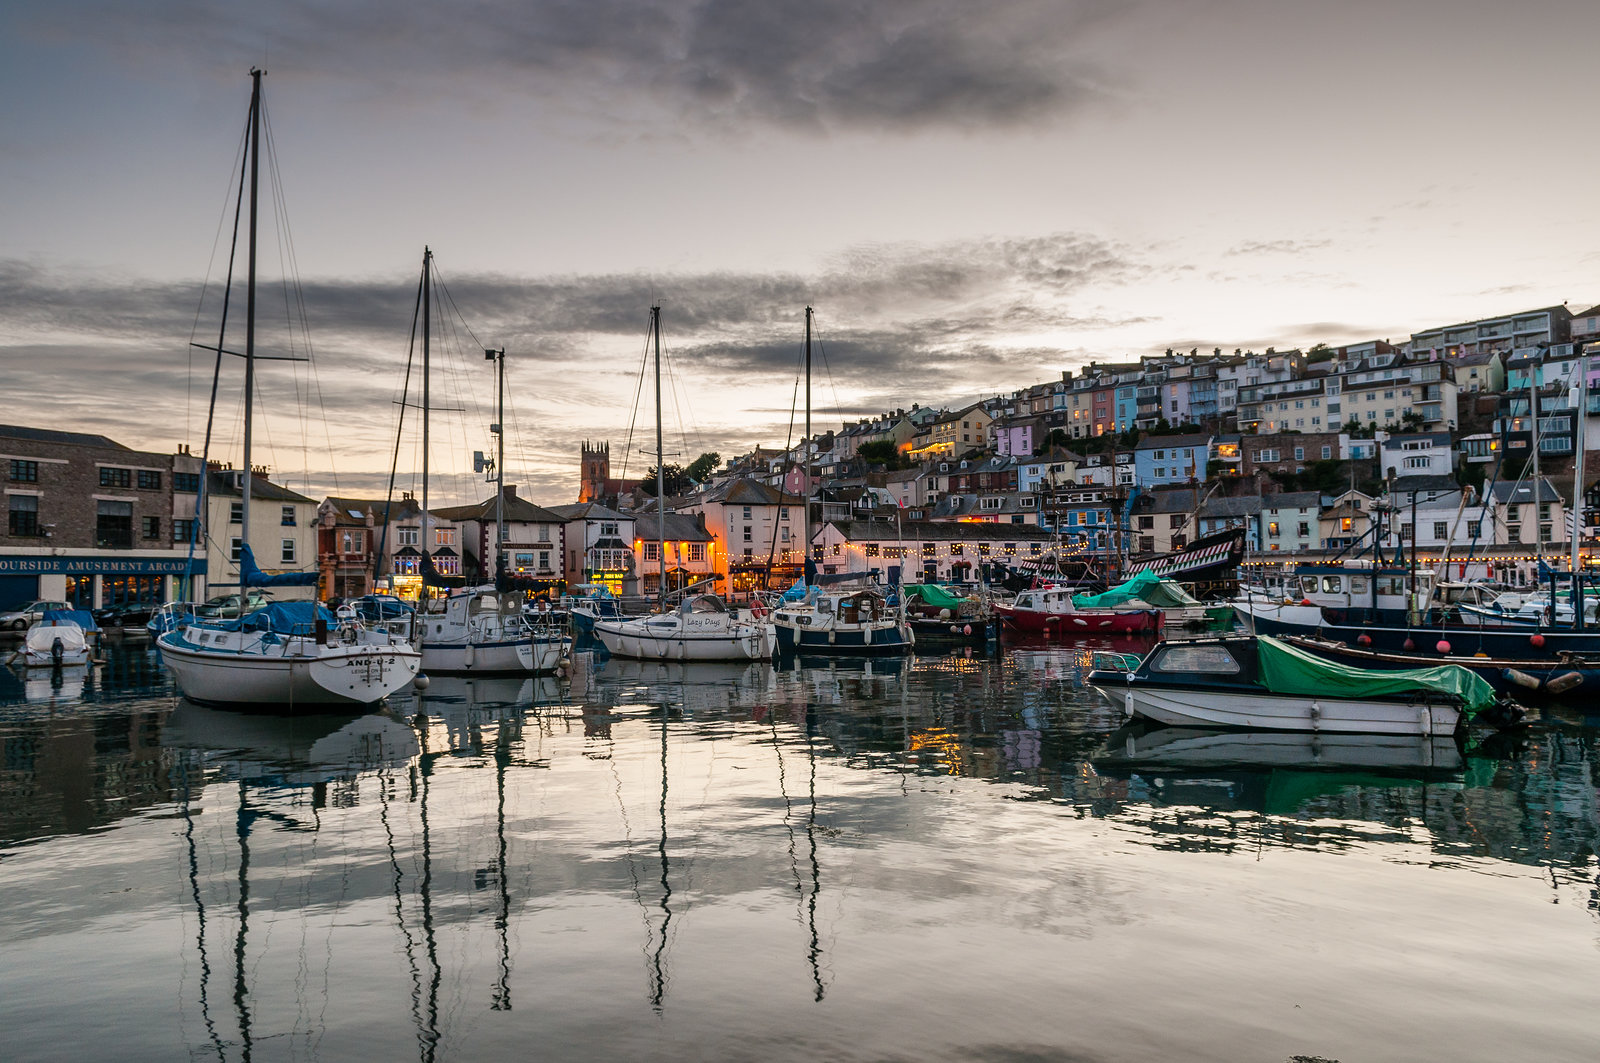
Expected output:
(824, 63)
(896, 325)
(1278, 247)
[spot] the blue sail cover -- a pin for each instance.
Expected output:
(82, 617)
(250, 574)
(289, 618)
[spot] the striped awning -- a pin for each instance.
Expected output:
(1210, 555)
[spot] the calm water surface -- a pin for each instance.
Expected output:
(948, 859)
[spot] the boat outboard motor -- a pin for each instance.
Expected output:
(58, 651)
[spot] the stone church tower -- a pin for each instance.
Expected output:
(596, 471)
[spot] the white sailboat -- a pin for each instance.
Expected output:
(290, 653)
(481, 629)
(702, 628)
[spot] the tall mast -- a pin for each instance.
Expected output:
(805, 466)
(661, 477)
(500, 460)
(1534, 372)
(1581, 415)
(427, 323)
(250, 311)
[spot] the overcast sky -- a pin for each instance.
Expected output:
(975, 196)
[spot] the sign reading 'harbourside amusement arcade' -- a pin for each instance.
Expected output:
(102, 566)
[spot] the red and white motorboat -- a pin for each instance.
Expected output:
(1049, 611)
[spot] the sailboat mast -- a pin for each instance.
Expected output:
(500, 460)
(1580, 416)
(427, 309)
(661, 478)
(805, 466)
(1534, 372)
(250, 316)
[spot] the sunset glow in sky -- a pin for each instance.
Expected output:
(974, 197)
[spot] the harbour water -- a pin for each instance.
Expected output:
(948, 858)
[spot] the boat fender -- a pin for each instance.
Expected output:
(944, 614)
(472, 652)
(1536, 639)
(1442, 646)
(966, 629)
(1564, 682)
(421, 681)
(1521, 679)
(1364, 640)
(1408, 645)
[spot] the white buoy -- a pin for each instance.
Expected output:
(420, 682)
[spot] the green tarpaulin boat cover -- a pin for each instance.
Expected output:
(1147, 587)
(1286, 669)
(934, 595)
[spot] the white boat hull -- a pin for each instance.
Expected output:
(1282, 712)
(293, 671)
(750, 642)
(530, 656)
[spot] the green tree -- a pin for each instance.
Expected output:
(673, 477)
(703, 466)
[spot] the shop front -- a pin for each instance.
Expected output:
(91, 581)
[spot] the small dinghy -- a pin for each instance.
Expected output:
(1263, 683)
(55, 641)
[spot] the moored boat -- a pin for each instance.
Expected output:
(702, 628)
(59, 639)
(1049, 611)
(1262, 682)
(855, 621)
(1523, 678)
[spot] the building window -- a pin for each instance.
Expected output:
(182, 531)
(287, 518)
(149, 480)
(1304, 530)
(1147, 523)
(1272, 528)
(352, 542)
(1327, 452)
(1346, 524)
(111, 477)
(113, 527)
(1474, 528)
(1177, 520)
(186, 482)
(1441, 529)
(408, 536)
(746, 512)
(697, 552)
(150, 527)
(23, 515)
(1147, 543)
(24, 472)
(444, 537)
(235, 512)
(652, 551)
(747, 534)
(233, 549)
(286, 551)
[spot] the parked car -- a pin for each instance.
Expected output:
(23, 617)
(226, 606)
(127, 614)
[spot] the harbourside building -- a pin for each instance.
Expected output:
(532, 541)
(283, 530)
(94, 523)
(599, 545)
(925, 550)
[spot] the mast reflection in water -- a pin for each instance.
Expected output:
(947, 857)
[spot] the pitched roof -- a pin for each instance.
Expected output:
(587, 511)
(1240, 506)
(679, 527)
(1411, 485)
(359, 509)
(517, 511)
(50, 435)
(747, 492)
(230, 482)
(1516, 494)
